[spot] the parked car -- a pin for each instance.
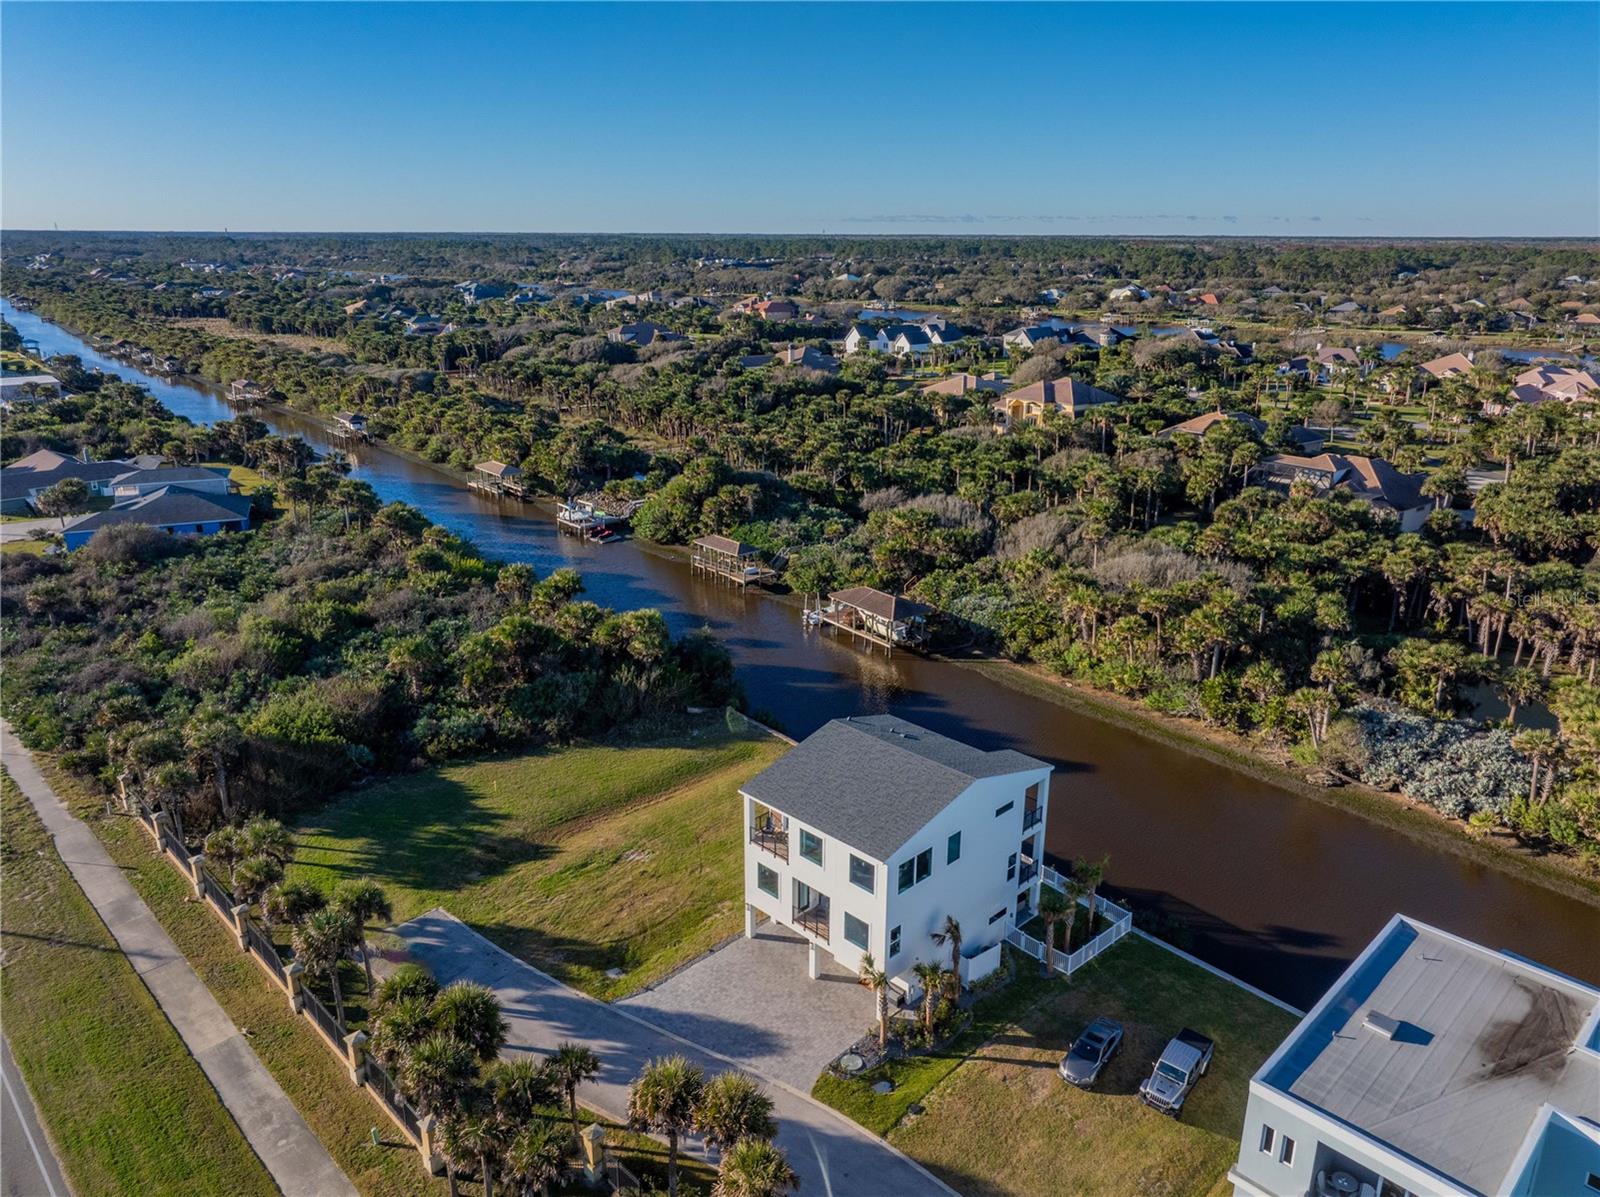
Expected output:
(1181, 1065)
(1082, 1064)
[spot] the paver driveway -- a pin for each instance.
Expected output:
(760, 1007)
(834, 1156)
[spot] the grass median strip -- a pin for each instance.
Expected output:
(126, 1106)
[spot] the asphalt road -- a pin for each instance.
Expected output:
(28, 1167)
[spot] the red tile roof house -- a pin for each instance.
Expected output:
(966, 384)
(1545, 383)
(1027, 405)
(1370, 479)
(776, 309)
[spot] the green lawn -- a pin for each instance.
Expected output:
(127, 1107)
(578, 860)
(1041, 1135)
(249, 480)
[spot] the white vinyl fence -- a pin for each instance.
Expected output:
(1067, 964)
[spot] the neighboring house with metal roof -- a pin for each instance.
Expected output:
(1027, 405)
(28, 388)
(1371, 480)
(872, 831)
(1433, 1066)
(173, 509)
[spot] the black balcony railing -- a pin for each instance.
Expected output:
(1027, 873)
(813, 919)
(1031, 817)
(771, 840)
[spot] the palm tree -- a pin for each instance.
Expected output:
(399, 1026)
(536, 1156)
(321, 941)
(931, 976)
(252, 877)
(521, 1087)
(438, 1072)
(1090, 873)
(569, 1066)
(291, 901)
(261, 836)
(950, 933)
(733, 1107)
(755, 1168)
(410, 980)
(366, 901)
(483, 1135)
(663, 1099)
(470, 1013)
(1054, 908)
(875, 979)
(451, 1139)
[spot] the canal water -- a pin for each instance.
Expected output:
(1279, 889)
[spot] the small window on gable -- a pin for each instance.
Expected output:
(1594, 1181)
(907, 875)
(862, 873)
(997, 916)
(894, 942)
(1269, 1139)
(953, 848)
(924, 864)
(1286, 1152)
(1002, 810)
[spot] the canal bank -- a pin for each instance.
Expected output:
(1278, 887)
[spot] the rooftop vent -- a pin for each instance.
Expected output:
(1381, 1024)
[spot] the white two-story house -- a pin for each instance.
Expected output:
(869, 833)
(1434, 1067)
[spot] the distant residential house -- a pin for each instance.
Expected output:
(776, 309)
(139, 482)
(1130, 292)
(1371, 480)
(424, 326)
(1564, 384)
(474, 292)
(1207, 299)
(1337, 359)
(806, 357)
(866, 338)
(870, 833)
(1349, 308)
(1451, 365)
(910, 340)
(355, 308)
(1586, 318)
(350, 421)
(643, 333)
(1398, 309)
(1307, 440)
(30, 476)
(1027, 405)
(967, 384)
(175, 509)
(1061, 332)
(28, 388)
(1273, 292)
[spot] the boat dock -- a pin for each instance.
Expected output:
(731, 561)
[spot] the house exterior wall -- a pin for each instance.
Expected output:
(972, 889)
(134, 490)
(76, 540)
(1320, 1144)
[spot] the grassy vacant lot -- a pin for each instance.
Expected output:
(1041, 1135)
(579, 860)
(127, 1107)
(337, 1112)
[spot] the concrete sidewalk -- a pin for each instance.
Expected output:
(834, 1156)
(294, 1156)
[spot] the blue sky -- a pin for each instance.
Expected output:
(1356, 119)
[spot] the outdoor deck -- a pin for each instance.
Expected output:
(872, 615)
(731, 561)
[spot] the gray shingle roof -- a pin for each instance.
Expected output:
(165, 507)
(874, 781)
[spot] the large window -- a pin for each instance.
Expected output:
(924, 864)
(767, 880)
(855, 931)
(863, 873)
(952, 849)
(894, 942)
(907, 875)
(810, 846)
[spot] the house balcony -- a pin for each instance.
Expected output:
(773, 840)
(813, 920)
(1027, 872)
(1032, 817)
